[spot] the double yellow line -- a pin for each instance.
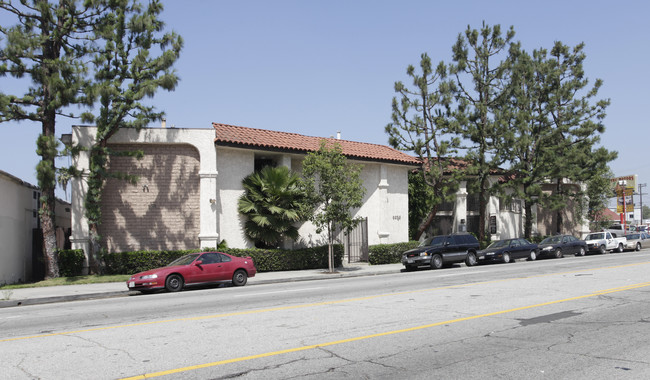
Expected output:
(393, 332)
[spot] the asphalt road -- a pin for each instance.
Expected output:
(572, 318)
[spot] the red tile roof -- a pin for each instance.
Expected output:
(607, 214)
(293, 142)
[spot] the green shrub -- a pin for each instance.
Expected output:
(265, 260)
(389, 253)
(71, 262)
(538, 238)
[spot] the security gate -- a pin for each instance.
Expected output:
(355, 243)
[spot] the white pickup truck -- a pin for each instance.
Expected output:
(602, 242)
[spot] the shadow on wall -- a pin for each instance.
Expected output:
(162, 210)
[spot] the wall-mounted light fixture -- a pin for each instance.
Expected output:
(213, 201)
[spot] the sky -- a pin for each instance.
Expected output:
(317, 67)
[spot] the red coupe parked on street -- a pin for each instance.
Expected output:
(194, 269)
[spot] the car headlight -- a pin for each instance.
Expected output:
(424, 253)
(547, 249)
(149, 276)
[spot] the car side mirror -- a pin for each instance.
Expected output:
(198, 263)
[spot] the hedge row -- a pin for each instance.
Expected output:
(266, 260)
(71, 262)
(389, 253)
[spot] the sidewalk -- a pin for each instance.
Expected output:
(63, 293)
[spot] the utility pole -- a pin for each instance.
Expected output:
(641, 186)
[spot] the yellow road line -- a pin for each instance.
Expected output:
(301, 306)
(393, 332)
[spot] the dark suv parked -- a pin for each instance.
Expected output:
(440, 250)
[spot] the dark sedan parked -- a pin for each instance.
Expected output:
(508, 250)
(560, 245)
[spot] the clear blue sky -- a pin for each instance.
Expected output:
(318, 67)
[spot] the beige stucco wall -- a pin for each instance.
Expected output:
(18, 219)
(17, 208)
(234, 166)
(572, 223)
(385, 203)
(137, 219)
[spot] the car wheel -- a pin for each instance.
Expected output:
(436, 261)
(239, 278)
(558, 254)
(532, 256)
(174, 283)
(620, 248)
(638, 247)
(506, 257)
(470, 260)
(602, 250)
(581, 252)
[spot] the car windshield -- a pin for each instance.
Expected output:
(184, 260)
(499, 244)
(597, 236)
(552, 240)
(633, 236)
(434, 241)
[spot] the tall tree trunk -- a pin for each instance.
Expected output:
(49, 236)
(528, 221)
(528, 210)
(46, 173)
(427, 222)
(93, 255)
(47, 149)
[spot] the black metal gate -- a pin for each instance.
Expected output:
(355, 243)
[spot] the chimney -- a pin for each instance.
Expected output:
(338, 135)
(164, 123)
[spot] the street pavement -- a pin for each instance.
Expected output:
(64, 293)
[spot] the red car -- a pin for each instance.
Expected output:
(195, 268)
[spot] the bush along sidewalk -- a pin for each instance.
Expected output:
(266, 260)
(389, 253)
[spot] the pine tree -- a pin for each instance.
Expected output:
(483, 92)
(135, 60)
(49, 45)
(421, 124)
(578, 123)
(536, 147)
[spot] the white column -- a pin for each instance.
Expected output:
(80, 238)
(460, 210)
(208, 235)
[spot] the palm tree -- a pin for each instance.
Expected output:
(273, 203)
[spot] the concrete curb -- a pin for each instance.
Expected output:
(66, 298)
(126, 293)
